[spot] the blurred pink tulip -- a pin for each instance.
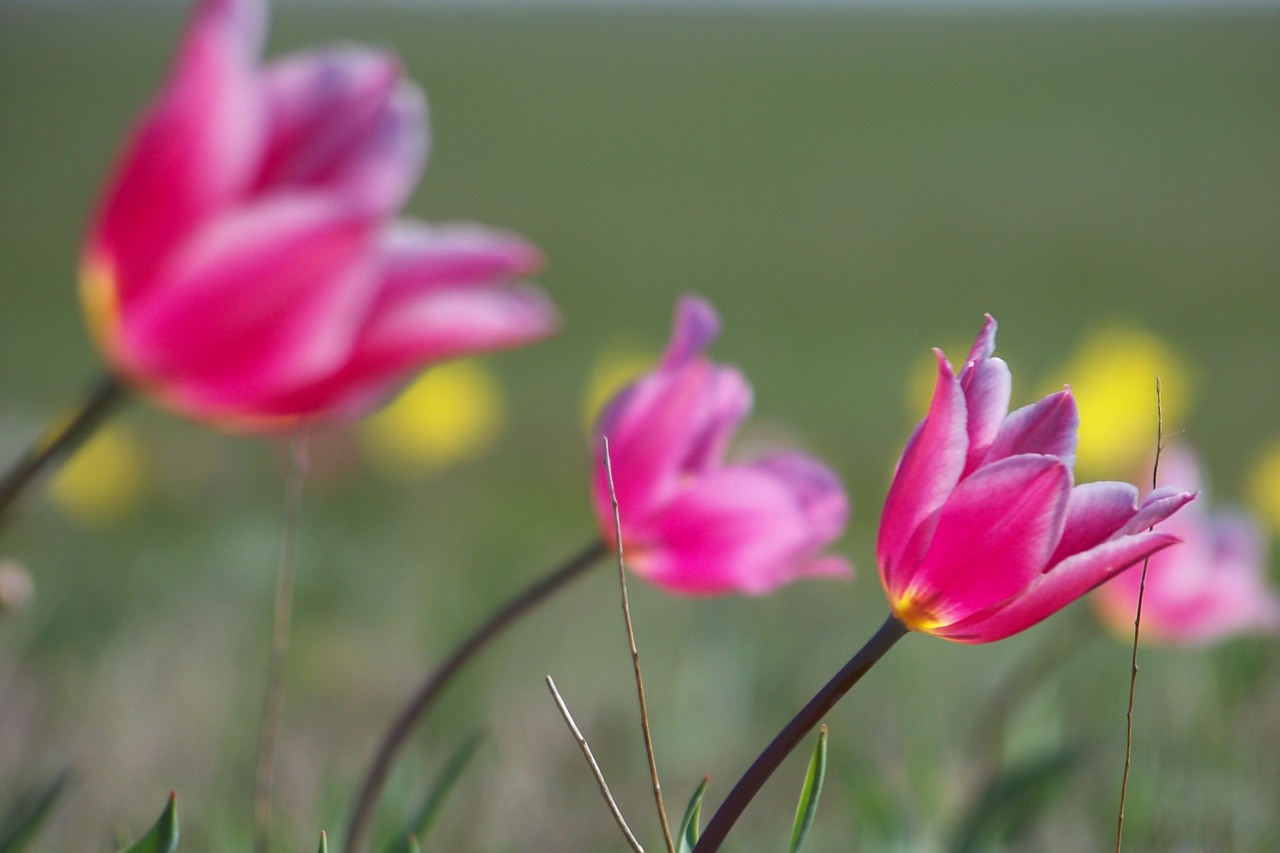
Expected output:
(243, 265)
(1209, 588)
(983, 534)
(690, 523)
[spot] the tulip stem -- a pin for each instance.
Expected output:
(282, 616)
(1137, 628)
(749, 785)
(413, 712)
(59, 440)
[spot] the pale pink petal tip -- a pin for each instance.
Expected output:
(696, 326)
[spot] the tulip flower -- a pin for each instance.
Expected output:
(983, 535)
(244, 265)
(983, 532)
(690, 523)
(1210, 588)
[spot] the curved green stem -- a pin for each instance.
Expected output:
(749, 785)
(59, 440)
(398, 734)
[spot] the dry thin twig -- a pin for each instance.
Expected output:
(273, 704)
(1137, 627)
(595, 768)
(635, 658)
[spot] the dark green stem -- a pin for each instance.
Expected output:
(59, 440)
(753, 780)
(396, 737)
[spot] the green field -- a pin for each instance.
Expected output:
(848, 190)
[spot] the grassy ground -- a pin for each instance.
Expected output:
(848, 190)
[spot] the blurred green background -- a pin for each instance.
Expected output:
(848, 189)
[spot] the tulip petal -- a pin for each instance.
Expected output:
(987, 386)
(418, 257)
(661, 426)
(816, 488)
(269, 276)
(930, 467)
(343, 120)
(1057, 588)
(1047, 426)
(1095, 513)
(193, 152)
(1156, 507)
(738, 529)
(995, 534)
(697, 325)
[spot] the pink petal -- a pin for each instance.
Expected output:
(420, 257)
(816, 488)
(929, 469)
(1156, 507)
(987, 386)
(696, 326)
(735, 530)
(995, 535)
(661, 425)
(265, 277)
(1048, 427)
(1095, 513)
(193, 153)
(1057, 588)
(343, 120)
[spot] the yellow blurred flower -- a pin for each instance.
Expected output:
(1264, 485)
(1113, 376)
(102, 481)
(608, 375)
(448, 415)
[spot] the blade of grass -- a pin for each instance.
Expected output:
(426, 817)
(807, 808)
(690, 824)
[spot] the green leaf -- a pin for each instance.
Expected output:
(1008, 805)
(807, 808)
(324, 843)
(163, 835)
(20, 822)
(408, 839)
(689, 829)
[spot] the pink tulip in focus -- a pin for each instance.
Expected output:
(983, 533)
(1209, 588)
(243, 265)
(690, 523)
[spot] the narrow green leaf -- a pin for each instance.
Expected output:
(163, 835)
(324, 843)
(807, 808)
(689, 826)
(1009, 803)
(414, 846)
(23, 818)
(408, 840)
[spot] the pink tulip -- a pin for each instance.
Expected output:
(1208, 589)
(983, 533)
(690, 523)
(243, 265)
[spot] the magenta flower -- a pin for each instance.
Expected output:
(243, 265)
(690, 523)
(1211, 587)
(983, 534)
